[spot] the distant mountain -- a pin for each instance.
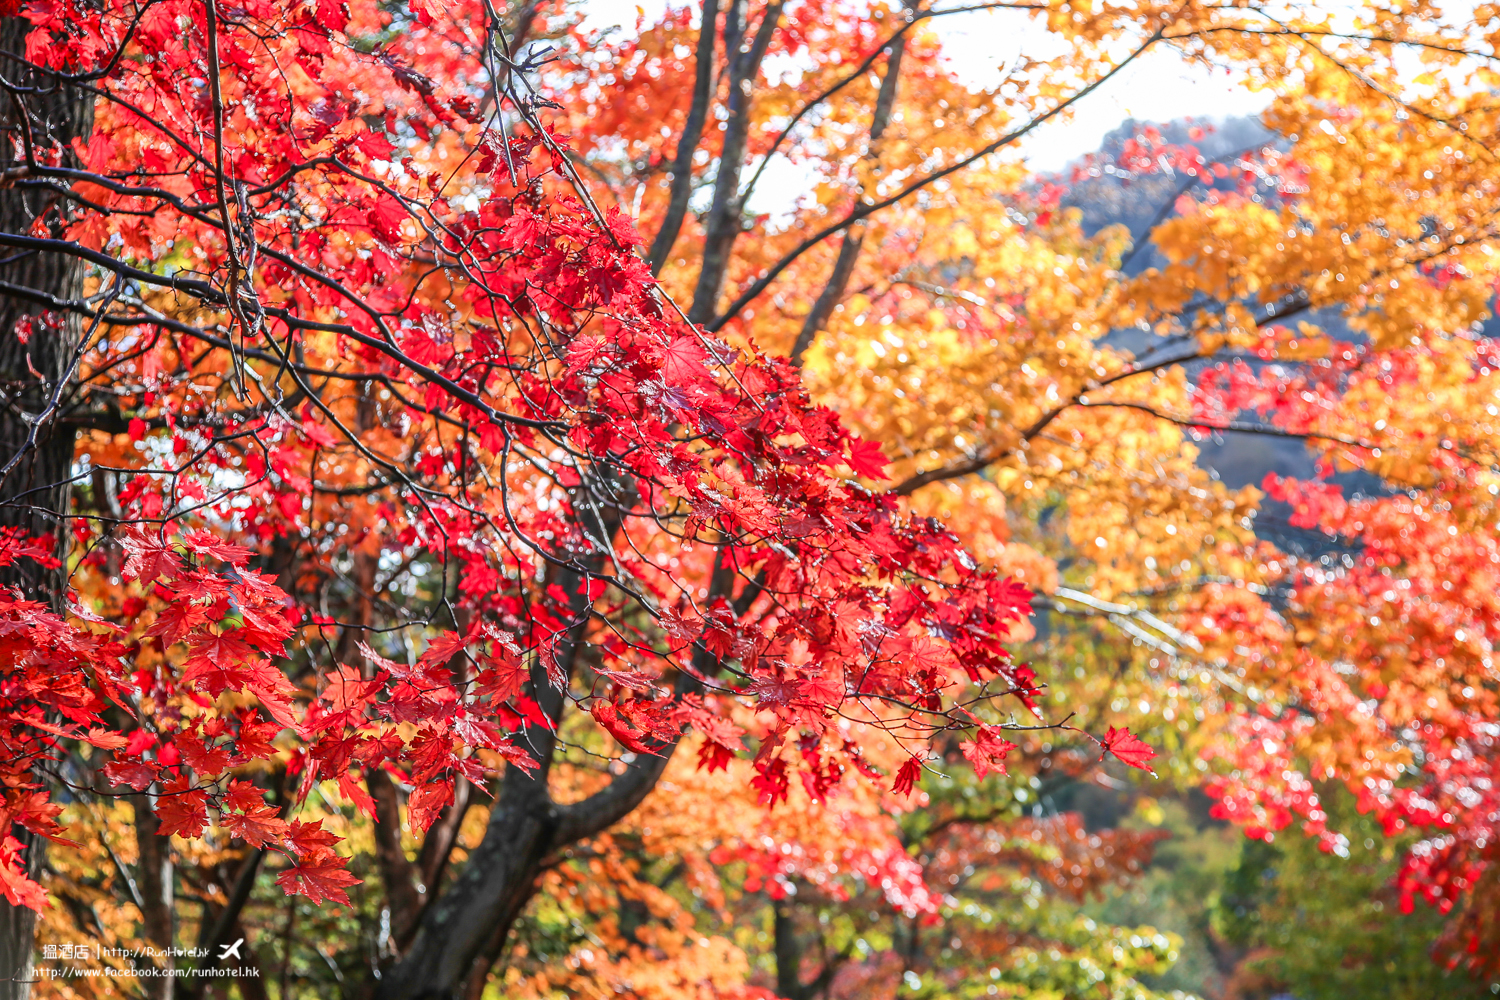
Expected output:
(1109, 196)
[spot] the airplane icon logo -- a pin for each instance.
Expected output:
(228, 950)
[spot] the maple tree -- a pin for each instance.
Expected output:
(361, 463)
(298, 365)
(868, 892)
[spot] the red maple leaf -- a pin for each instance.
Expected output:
(374, 145)
(866, 459)
(714, 756)
(427, 802)
(136, 774)
(176, 620)
(771, 782)
(218, 662)
(248, 816)
(585, 350)
(682, 361)
(206, 543)
(331, 14)
(1128, 747)
(271, 697)
(353, 790)
(626, 735)
(254, 738)
(182, 811)
(16, 886)
(149, 558)
(986, 751)
(386, 218)
(906, 778)
(320, 879)
(310, 839)
(105, 739)
(524, 230)
(444, 647)
(207, 760)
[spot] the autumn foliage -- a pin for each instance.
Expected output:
(437, 490)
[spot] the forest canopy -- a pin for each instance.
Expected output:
(455, 540)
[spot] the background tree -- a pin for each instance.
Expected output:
(1321, 926)
(230, 402)
(1252, 262)
(949, 892)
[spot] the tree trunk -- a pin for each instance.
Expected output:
(788, 952)
(687, 143)
(18, 932)
(725, 214)
(464, 930)
(854, 238)
(157, 895)
(469, 923)
(36, 450)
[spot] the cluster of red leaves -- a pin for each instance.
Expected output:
(1392, 697)
(71, 680)
(570, 385)
(1264, 791)
(1379, 663)
(49, 692)
(1244, 174)
(872, 860)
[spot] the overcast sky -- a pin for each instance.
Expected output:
(1158, 87)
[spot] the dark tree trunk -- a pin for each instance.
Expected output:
(467, 926)
(463, 932)
(687, 143)
(252, 984)
(39, 450)
(725, 216)
(789, 950)
(36, 450)
(156, 888)
(854, 238)
(17, 934)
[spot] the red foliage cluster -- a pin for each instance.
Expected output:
(596, 471)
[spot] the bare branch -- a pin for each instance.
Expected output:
(687, 142)
(869, 208)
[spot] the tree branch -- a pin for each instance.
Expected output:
(863, 211)
(843, 267)
(984, 459)
(724, 222)
(687, 143)
(860, 70)
(396, 871)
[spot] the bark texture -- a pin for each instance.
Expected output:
(156, 889)
(854, 238)
(725, 219)
(464, 930)
(38, 114)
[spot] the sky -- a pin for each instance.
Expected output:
(1157, 87)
